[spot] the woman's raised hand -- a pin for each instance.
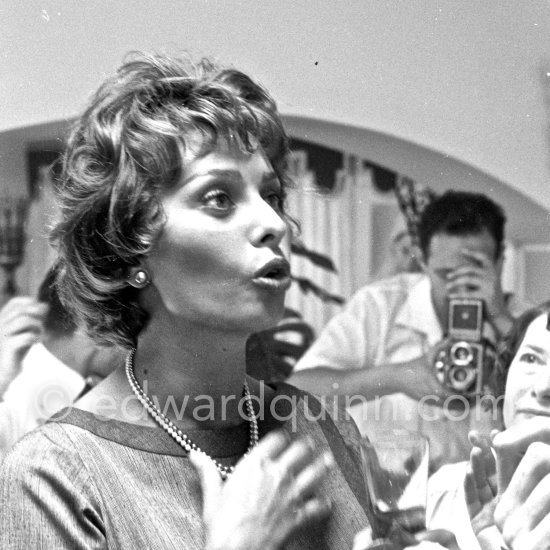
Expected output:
(272, 492)
(480, 490)
(523, 511)
(512, 444)
(519, 501)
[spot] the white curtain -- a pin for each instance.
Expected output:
(339, 226)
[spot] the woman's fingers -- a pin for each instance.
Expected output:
(512, 444)
(474, 437)
(269, 447)
(471, 495)
(538, 538)
(526, 518)
(441, 536)
(478, 439)
(309, 479)
(527, 525)
(483, 468)
(311, 511)
(286, 459)
(273, 491)
(211, 482)
(533, 470)
(480, 490)
(298, 455)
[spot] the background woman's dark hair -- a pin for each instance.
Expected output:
(123, 151)
(509, 346)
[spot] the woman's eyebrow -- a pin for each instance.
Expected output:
(233, 175)
(534, 348)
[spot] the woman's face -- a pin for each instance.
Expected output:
(221, 260)
(528, 383)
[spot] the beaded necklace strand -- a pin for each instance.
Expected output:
(167, 425)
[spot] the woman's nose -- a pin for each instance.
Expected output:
(541, 386)
(269, 227)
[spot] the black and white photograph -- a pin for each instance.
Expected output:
(275, 275)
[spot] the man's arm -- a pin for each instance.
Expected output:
(341, 360)
(414, 378)
(331, 381)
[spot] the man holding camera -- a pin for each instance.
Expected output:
(392, 356)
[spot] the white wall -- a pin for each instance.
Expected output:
(462, 78)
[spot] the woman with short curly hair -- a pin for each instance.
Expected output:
(174, 242)
(125, 151)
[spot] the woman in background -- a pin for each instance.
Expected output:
(508, 490)
(521, 385)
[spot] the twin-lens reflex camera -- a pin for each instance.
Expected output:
(466, 358)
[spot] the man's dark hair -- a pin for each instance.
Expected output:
(58, 320)
(460, 213)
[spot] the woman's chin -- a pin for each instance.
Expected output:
(266, 320)
(264, 323)
(246, 324)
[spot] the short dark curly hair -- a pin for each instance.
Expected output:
(461, 213)
(509, 346)
(125, 149)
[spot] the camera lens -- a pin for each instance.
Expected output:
(462, 354)
(461, 378)
(459, 375)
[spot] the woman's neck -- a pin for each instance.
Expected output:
(201, 371)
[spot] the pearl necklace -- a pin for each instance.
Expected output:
(167, 425)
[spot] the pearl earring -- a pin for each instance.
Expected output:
(138, 277)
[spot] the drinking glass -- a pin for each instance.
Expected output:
(396, 469)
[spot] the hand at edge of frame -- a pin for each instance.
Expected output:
(272, 492)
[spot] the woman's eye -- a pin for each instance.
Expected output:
(530, 359)
(218, 200)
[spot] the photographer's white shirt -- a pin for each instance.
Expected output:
(392, 321)
(44, 386)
